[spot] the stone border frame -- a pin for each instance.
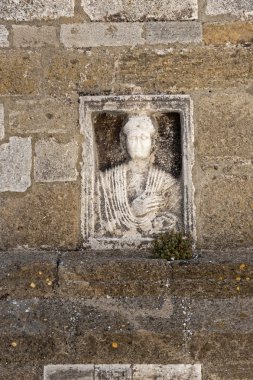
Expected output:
(181, 104)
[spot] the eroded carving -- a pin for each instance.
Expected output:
(137, 198)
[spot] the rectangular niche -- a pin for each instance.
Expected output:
(137, 169)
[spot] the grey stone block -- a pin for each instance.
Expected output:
(4, 34)
(123, 10)
(99, 34)
(69, 372)
(22, 10)
(172, 32)
(55, 162)
(167, 372)
(242, 9)
(16, 164)
(113, 371)
(33, 36)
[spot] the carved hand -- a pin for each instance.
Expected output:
(151, 204)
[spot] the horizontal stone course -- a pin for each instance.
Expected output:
(34, 37)
(22, 10)
(128, 34)
(4, 34)
(233, 33)
(140, 10)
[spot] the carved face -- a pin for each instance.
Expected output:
(139, 143)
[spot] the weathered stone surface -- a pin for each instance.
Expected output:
(99, 34)
(122, 10)
(234, 33)
(55, 162)
(73, 372)
(71, 71)
(224, 124)
(21, 10)
(166, 372)
(1, 121)
(128, 34)
(172, 32)
(236, 8)
(16, 164)
(46, 115)
(53, 222)
(91, 274)
(4, 34)
(224, 212)
(19, 72)
(34, 37)
(27, 274)
(15, 370)
(113, 371)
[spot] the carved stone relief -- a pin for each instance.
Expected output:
(136, 177)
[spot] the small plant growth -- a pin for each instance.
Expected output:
(172, 245)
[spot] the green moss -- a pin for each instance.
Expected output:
(172, 246)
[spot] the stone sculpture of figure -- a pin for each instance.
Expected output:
(137, 198)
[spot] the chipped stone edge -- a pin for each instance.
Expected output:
(168, 103)
(1, 121)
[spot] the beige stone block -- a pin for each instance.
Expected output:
(234, 33)
(46, 216)
(55, 162)
(123, 10)
(34, 37)
(22, 10)
(99, 34)
(4, 34)
(224, 212)
(224, 124)
(19, 72)
(240, 9)
(16, 164)
(1, 121)
(70, 71)
(183, 70)
(43, 115)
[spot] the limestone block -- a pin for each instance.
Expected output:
(34, 37)
(113, 371)
(22, 10)
(236, 8)
(99, 34)
(234, 33)
(172, 32)
(167, 372)
(73, 372)
(224, 212)
(224, 124)
(1, 121)
(4, 34)
(123, 10)
(55, 162)
(16, 164)
(43, 115)
(19, 72)
(48, 215)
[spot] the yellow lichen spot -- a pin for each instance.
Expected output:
(242, 267)
(32, 285)
(49, 283)
(114, 345)
(238, 288)
(221, 278)
(247, 279)
(14, 344)
(40, 273)
(238, 278)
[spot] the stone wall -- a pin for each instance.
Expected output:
(53, 50)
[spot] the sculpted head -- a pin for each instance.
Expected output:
(138, 132)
